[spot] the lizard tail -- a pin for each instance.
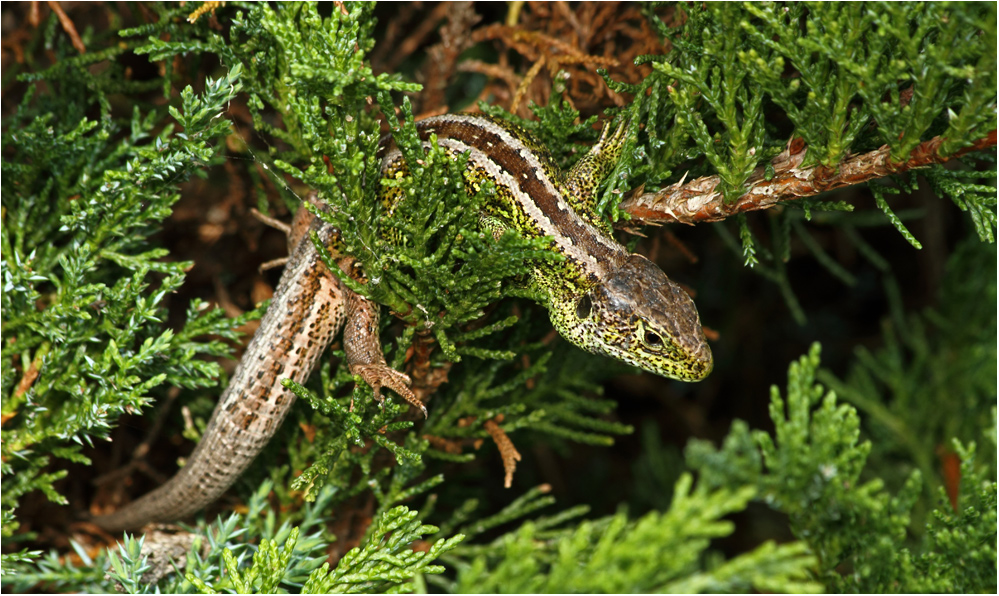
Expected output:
(195, 486)
(307, 309)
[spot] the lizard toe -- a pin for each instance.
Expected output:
(380, 375)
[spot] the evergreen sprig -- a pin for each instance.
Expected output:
(83, 291)
(847, 78)
(973, 191)
(659, 552)
(386, 560)
(810, 470)
(930, 366)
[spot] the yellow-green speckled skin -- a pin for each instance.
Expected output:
(599, 296)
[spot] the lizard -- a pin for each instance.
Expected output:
(599, 297)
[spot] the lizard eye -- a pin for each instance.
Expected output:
(584, 306)
(653, 340)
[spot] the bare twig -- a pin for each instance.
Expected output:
(700, 201)
(138, 461)
(503, 73)
(415, 39)
(68, 27)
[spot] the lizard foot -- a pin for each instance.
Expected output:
(380, 375)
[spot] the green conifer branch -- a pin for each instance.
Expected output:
(84, 291)
(97, 330)
(919, 81)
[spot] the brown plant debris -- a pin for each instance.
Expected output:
(442, 57)
(507, 451)
(537, 45)
(31, 374)
(204, 8)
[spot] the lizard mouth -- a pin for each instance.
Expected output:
(703, 362)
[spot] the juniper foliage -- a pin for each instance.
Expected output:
(845, 78)
(86, 187)
(83, 286)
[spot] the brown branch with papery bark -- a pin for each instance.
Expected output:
(700, 201)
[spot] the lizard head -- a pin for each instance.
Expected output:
(641, 317)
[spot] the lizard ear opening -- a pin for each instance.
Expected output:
(584, 306)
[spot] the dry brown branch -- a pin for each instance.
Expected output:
(443, 56)
(14, 42)
(35, 14)
(700, 201)
(495, 71)
(387, 46)
(113, 479)
(395, 53)
(446, 445)
(546, 38)
(507, 451)
(426, 377)
(68, 27)
(29, 376)
(522, 88)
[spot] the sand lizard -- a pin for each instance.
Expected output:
(599, 296)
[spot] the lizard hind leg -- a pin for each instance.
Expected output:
(360, 333)
(364, 353)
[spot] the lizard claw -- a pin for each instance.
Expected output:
(380, 375)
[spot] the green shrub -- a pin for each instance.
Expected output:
(95, 160)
